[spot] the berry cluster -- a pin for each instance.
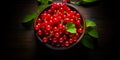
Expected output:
(51, 25)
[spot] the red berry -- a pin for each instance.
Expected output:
(74, 12)
(58, 5)
(61, 10)
(42, 26)
(52, 8)
(78, 22)
(59, 18)
(71, 13)
(60, 26)
(64, 37)
(54, 40)
(46, 23)
(60, 31)
(64, 27)
(48, 27)
(80, 30)
(36, 27)
(67, 20)
(64, 16)
(64, 6)
(54, 5)
(60, 14)
(44, 39)
(75, 39)
(48, 17)
(70, 35)
(66, 43)
(46, 32)
(50, 39)
(51, 22)
(69, 16)
(57, 35)
(61, 40)
(50, 11)
(71, 20)
(39, 24)
(51, 17)
(77, 35)
(39, 32)
(44, 16)
(54, 16)
(55, 20)
(73, 17)
(39, 20)
(55, 11)
(55, 29)
(77, 15)
(68, 9)
(71, 40)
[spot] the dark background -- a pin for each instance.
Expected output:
(21, 44)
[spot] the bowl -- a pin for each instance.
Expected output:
(72, 7)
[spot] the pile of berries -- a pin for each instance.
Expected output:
(50, 25)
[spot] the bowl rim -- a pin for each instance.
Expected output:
(62, 48)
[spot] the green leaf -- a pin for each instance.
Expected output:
(41, 7)
(87, 42)
(29, 17)
(71, 27)
(88, 1)
(90, 23)
(92, 32)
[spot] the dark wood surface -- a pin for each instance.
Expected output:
(21, 44)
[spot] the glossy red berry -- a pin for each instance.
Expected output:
(39, 32)
(80, 30)
(55, 20)
(46, 23)
(60, 26)
(71, 13)
(71, 40)
(48, 27)
(77, 35)
(66, 43)
(54, 40)
(61, 40)
(44, 39)
(78, 22)
(36, 27)
(55, 29)
(39, 20)
(54, 5)
(57, 35)
(50, 22)
(77, 15)
(61, 10)
(75, 39)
